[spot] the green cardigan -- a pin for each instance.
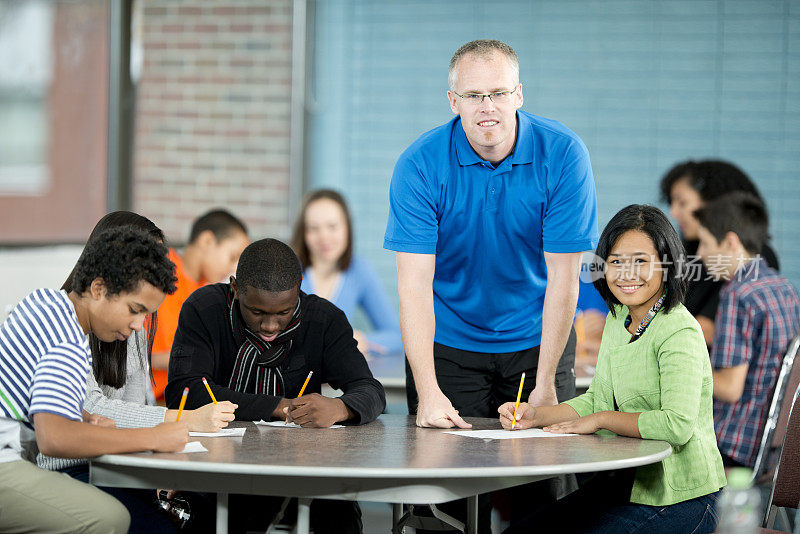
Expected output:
(665, 375)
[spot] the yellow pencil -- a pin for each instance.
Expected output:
(519, 395)
(183, 403)
(213, 398)
(302, 389)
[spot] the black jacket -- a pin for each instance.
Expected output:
(204, 346)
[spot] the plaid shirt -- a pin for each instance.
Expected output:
(758, 315)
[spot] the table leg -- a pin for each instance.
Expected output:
(397, 513)
(472, 515)
(222, 513)
(303, 516)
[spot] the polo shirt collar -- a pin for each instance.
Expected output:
(523, 148)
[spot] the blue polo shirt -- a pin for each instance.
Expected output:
(490, 226)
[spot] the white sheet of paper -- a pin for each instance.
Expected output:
(284, 424)
(507, 434)
(194, 446)
(224, 432)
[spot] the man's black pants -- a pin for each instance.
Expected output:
(479, 383)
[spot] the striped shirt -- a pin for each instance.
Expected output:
(758, 315)
(126, 405)
(44, 360)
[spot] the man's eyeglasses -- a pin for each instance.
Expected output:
(498, 97)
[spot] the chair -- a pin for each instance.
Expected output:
(786, 484)
(778, 415)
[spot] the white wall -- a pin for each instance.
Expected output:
(24, 269)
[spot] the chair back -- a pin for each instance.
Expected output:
(778, 415)
(792, 383)
(786, 485)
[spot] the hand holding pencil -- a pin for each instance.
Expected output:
(522, 421)
(514, 415)
(211, 417)
(315, 410)
(170, 437)
(519, 396)
(208, 418)
(288, 410)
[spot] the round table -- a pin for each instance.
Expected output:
(388, 460)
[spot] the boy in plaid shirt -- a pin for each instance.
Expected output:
(758, 315)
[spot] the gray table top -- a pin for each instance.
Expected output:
(393, 446)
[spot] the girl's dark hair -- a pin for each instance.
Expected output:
(109, 360)
(298, 242)
(710, 178)
(671, 253)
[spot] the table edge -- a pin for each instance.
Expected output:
(110, 460)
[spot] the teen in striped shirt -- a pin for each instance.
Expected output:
(117, 387)
(44, 359)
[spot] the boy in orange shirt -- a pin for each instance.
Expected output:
(215, 243)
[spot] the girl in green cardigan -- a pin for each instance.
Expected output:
(653, 381)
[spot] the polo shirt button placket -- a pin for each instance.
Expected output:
(493, 189)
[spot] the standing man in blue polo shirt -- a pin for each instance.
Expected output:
(489, 214)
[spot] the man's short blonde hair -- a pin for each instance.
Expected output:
(483, 48)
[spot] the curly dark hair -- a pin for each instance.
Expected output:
(710, 178)
(110, 359)
(124, 257)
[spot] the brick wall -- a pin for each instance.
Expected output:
(212, 113)
(77, 115)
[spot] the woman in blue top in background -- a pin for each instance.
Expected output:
(323, 240)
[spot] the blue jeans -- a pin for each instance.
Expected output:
(602, 505)
(696, 516)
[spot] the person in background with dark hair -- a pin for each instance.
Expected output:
(255, 341)
(323, 240)
(687, 187)
(758, 315)
(121, 277)
(117, 388)
(653, 361)
(216, 240)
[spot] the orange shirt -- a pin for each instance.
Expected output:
(168, 318)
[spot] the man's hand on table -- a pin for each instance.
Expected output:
(437, 411)
(316, 411)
